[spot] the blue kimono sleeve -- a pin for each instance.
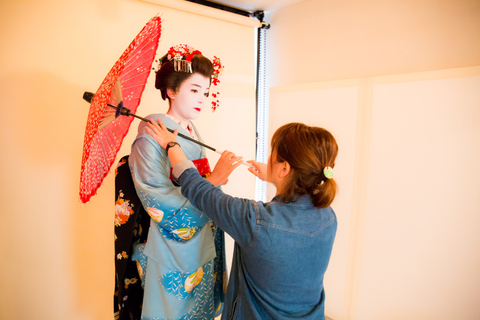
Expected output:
(174, 215)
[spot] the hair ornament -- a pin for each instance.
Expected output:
(328, 172)
(182, 55)
(217, 71)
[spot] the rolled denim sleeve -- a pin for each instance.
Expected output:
(180, 167)
(235, 216)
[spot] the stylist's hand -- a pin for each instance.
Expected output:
(160, 133)
(260, 169)
(225, 165)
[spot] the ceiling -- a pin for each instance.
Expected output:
(257, 5)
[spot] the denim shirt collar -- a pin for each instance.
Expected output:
(298, 200)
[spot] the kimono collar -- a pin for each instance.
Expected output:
(189, 127)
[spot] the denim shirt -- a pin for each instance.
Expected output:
(281, 250)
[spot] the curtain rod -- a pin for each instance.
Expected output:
(195, 8)
(256, 14)
(223, 7)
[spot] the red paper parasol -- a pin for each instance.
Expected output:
(122, 87)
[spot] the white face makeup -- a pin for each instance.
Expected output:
(189, 100)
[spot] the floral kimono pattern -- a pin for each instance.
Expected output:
(185, 274)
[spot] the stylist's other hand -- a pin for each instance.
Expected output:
(160, 133)
(260, 169)
(225, 165)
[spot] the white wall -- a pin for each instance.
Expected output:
(323, 40)
(397, 83)
(57, 254)
(420, 255)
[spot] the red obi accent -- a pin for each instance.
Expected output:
(202, 166)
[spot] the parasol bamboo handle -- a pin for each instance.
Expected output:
(88, 96)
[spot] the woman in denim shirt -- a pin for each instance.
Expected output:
(282, 247)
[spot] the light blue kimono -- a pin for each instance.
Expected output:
(183, 279)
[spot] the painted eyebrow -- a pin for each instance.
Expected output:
(199, 86)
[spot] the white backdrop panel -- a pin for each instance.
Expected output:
(421, 242)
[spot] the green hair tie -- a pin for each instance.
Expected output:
(328, 172)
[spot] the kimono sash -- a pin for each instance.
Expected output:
(202, 166)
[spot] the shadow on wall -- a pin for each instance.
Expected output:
(63, 254)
